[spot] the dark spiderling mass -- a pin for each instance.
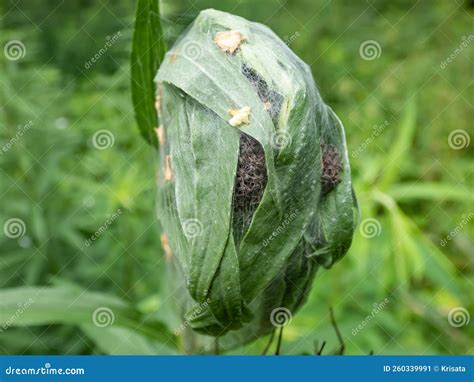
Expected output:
(271, 98)
(251, 176)
(249, 186)
(258, 82)
(251, 171)
(332, 166)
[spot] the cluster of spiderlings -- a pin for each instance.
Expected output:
(271, 99)
(332, 167)
(251, 176)
(250, 183)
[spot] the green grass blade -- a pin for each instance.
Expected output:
(117, 341)
(390, 172)
(53, 305)
(430, 191)
(148, 50)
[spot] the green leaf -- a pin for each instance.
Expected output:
(201, 87)
(147, 53)
(115, 341)
(430, 191)
(39, 225)
(416, 255)
(338, 205)
(50, 305)
(10, 259)
(400, 147)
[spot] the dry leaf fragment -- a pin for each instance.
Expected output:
(239, 116)
(173, 57)
(160, 133)
(168, 172)
(165, 244)
(158, 103)
(228, 41)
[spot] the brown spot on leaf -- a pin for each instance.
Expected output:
(173, 57)
(168, 171)
(160, 133)
(158, 104)
(165, 244)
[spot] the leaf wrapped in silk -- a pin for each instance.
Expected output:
(255, 187)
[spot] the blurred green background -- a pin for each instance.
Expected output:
(73, 165)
